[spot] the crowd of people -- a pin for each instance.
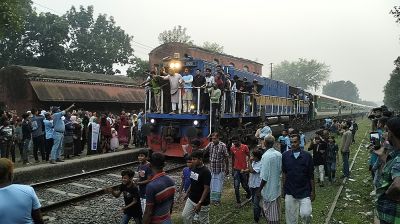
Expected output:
(55, 134)
(270, 173)
(238, 95)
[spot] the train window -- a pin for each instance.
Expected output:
(246, 68)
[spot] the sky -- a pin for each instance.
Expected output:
(358, 39)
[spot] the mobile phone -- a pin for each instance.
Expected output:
(374, 139)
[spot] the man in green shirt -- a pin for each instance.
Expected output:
(215, 96)
(388, 187)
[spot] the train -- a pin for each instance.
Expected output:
(276, 102)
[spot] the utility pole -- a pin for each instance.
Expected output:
(271, 68)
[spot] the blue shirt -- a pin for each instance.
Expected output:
(144, 172)
(265, 131)
(58, 123)
(302, 141)
(17, 203)
(186, 178)
(48, 126)
(188, 78)
(140, 120)
(285, 142)
(271, 166)
(299, 173)
(160, 194)
(254, 179)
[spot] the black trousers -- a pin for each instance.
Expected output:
(48, 146)
(38, 144)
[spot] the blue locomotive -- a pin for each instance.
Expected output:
(249, 101)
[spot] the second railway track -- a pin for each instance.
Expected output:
(61, 192)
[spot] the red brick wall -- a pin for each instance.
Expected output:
(165, 50)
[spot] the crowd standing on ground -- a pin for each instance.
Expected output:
(274, 169)
(55, 135)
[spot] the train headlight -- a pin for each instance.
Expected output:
(152, 121)
(195, 122)
(192, 107)
(175, 65)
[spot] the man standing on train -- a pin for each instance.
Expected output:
(187, 93)
(198, 81)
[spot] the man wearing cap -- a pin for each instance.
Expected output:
(58, 134)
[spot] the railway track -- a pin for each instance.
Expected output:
(61, 192)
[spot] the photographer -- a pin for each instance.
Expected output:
(388, 185)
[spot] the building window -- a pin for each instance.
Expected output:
(216, 60)
(231, 64)
(246, 68)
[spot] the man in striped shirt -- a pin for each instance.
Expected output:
(219, 166)
(159, 194)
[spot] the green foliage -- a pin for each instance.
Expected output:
(392, 88)
(213, 47)
(96, 44)
(76, 41)
(345, 90)
(177, 34)
(396, 13)
(302, 73)
(13, 14)
(138, 69)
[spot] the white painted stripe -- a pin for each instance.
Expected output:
(73, 195)
(56, 191)
(81, 185)
(98, 180)
(114, 175)
(62, 192)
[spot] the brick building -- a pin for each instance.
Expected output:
(23, 88)
(168, 50)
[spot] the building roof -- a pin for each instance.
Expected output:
(76, 92)
(72, 86)
(36, 72)
(203, 49)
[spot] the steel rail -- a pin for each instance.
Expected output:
(76, 176)
(79, 198)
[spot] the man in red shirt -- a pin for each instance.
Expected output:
(240, 153)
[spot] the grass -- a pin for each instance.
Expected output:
(357, 209)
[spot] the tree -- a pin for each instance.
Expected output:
(396, 13)
(75, 41)
(302, 73)
(345, 90)
(177, 34)
(13, 15)
(50, 34)
(213, 47)
(96, 44)
(138, 69)
(392, 88)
